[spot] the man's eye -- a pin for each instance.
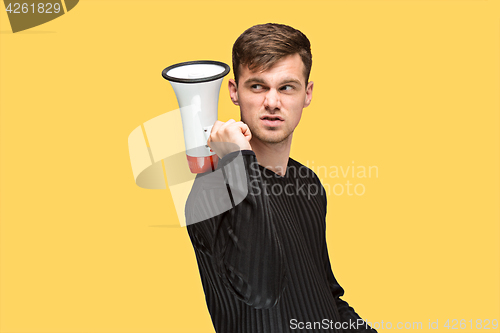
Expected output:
(256, 86)
(287, 88)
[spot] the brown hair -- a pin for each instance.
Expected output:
(261, 46)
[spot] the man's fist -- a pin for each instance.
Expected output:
(229, 136)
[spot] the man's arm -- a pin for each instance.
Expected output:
(241, 242)
(346, 312)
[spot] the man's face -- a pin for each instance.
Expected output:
(271, 102)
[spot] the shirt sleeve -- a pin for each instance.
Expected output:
(241, 242)
(350, 319)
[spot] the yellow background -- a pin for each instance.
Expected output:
(411, 87)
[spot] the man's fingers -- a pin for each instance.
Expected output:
(235, 133)
(216, 126)
(225, 132)
(219, 127)
(226, 124)
(245, 130)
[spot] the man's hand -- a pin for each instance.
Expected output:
(236, 133)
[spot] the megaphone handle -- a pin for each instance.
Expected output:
(207, 130)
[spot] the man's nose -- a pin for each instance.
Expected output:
(272, 101)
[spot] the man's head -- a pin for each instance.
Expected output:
(262, 46)
(271, 64)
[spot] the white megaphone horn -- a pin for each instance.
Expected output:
(196, 85)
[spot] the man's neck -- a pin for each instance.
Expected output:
(273, 156)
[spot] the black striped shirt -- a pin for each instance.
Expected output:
(262, 255)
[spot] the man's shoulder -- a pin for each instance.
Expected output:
(299, 170)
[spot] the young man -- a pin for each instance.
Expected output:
(264, 263)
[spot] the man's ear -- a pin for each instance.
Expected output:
(233, 91)
(309, 93)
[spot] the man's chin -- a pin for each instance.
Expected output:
(272, 139)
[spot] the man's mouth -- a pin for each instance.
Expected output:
(272, 121)
(272, 118)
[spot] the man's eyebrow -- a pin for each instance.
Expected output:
(291, 80)
(285, 80)
(254, 80)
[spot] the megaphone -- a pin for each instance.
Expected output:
(196, 85)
